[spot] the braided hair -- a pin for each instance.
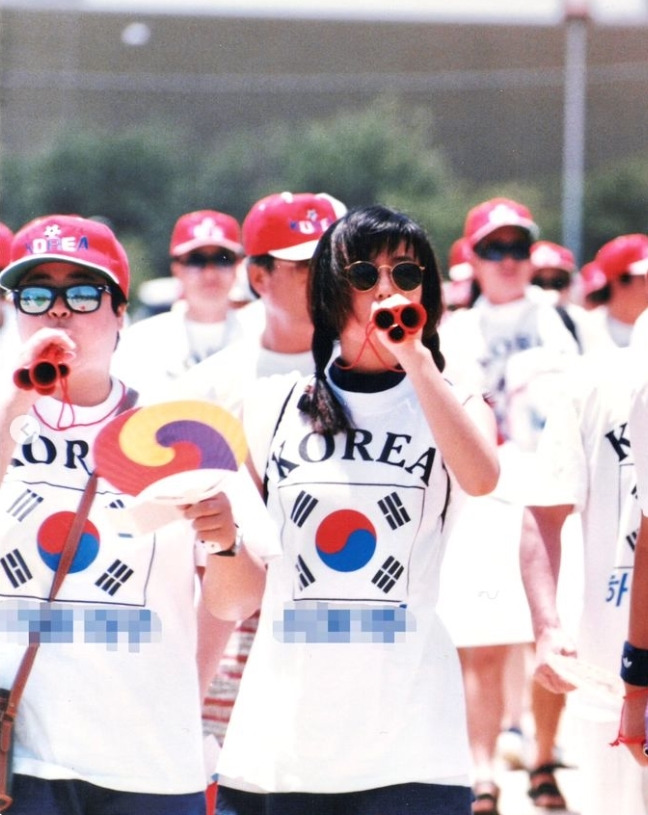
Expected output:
(361, 234)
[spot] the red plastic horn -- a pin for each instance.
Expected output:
(401, 320)
(44, 374)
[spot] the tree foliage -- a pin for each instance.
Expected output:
(616, 203)
(142, 180)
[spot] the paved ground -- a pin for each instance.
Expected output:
(515, 801)
(515, 783)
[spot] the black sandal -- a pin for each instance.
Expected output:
(485, 797)
(544, 790)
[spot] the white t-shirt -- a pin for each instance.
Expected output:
(479, 344)
(352, 681)
(584, 458)
(113, 698)
(226, 377)
(616, 333)
(154, 352)
(638, 425)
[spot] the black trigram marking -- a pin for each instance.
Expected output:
(302, 508)
(306, 577)
(387, 576)
(24, 504)
(114, 577)
(393, 510)
(16, 569)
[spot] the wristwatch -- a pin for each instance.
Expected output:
(212, 548)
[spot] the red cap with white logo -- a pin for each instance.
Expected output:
(592, 278)
(289, 225)
(205, 227)
(548, 255)
(6, 236)
(626, 254)
(69, 239)
(494, 214)
(460, 261)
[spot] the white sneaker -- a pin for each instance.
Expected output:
(511, 748)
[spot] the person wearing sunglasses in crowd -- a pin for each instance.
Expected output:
(352, 701)
(205, 252)
(512, 346)
(554, 269)
(621, 292)
(109, 720)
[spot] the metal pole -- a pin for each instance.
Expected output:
(576, 17)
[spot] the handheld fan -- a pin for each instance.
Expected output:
(172, 452)
(588, 677)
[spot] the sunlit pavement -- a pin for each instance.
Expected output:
(514, 784)
(515, 801)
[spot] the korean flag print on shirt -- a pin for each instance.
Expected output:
(352, 541)
(36, 518)
(38, 501)
(353, 508)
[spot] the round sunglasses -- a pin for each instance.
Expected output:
(81, 298)
(363, 275)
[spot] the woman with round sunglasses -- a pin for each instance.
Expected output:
(352, 700)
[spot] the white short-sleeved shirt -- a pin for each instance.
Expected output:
(585, 459)
(113, 696)
(227, 376)
(480, 344)
(152, 353)
(352, 681)
(639, 433)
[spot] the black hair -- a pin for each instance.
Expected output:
(600, 296)
(361, 234)
(117, 298)
(265, 262)
(475, 293)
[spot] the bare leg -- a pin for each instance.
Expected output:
(483, 669)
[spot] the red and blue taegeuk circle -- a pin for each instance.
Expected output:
(345, 540)
(51, 539)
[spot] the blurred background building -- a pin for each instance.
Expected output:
(494, 77)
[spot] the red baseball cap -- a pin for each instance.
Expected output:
(288, 225)
(548, 255)
(205, 227)
(6, 236)
(625, 254)
(592, 278)
(69, 239)
(460, 261)
(494, 214)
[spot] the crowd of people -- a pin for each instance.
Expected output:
(444, 552)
